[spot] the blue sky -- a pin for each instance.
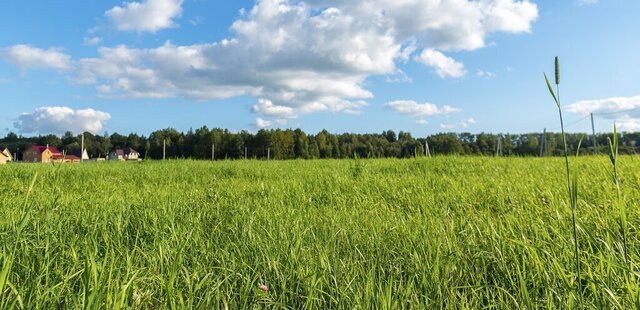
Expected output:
(423, 66)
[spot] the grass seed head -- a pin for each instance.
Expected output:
(557, 70)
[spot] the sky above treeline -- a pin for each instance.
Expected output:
(421, 66)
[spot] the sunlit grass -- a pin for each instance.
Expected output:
(444, 232)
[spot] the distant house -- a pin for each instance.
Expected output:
(70, 159)
(41, 154)
(7, 153)
(82, 155)
(126, 153)
(4, 158)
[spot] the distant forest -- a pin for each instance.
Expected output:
(292, 144)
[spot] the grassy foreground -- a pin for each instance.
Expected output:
(443, 232)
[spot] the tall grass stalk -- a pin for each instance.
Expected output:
(613, 156)
(572, 187)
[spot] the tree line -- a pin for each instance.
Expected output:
(203, 142)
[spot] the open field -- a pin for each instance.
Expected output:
(445, 232)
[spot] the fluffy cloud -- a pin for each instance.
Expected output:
(263, 124)
(266, 107)
(607, 106)
(149, 15)
(413, 108)
(58, 120)
(92, 40)
(485, 74)
(299, 57)
(462, 124)
(625, 110)
(26, 57)
(445, 66)
(468, 122)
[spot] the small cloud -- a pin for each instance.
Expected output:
(196, 21)
(462, 124)
(485, 74)
(413, 108)
(59, 120)
(26, 57)
(92, 41)
(422, 121)
(468, 122)
(446, 67)
(266, 107)
(628, 124)
(398, 77)
(407, 51)
(629, 106)
(511, 69)
(624, 110)
(586, 2)
(263, 124)
(149, 15)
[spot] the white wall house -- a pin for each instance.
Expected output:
(126, 153)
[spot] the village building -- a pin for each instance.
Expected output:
(7, 154)
(41, 154)
(81, 155)
(66, 159)
(126, 153)
(4, 158)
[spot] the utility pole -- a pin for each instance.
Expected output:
(595, 140)
(499, 147)
(427, 152)
(82, 149)
(164, 149)
(245, 152)
(543, 143)
(213, 152)
(268, 153)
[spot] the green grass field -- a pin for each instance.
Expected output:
(444, 232)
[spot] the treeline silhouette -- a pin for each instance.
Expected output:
(292, 144)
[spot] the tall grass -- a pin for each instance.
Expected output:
(572, 179)
(445, 232)
(613, 157)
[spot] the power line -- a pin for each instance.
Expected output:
(570, 124)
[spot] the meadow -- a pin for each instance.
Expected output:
(441, 232)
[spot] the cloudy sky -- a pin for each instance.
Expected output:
(422, 66)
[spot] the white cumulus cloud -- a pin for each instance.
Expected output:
(445, 67)
(148, 15)
(298, 57)
(60, 119)
(624, 110)
(26, 57)
(263, 124)
(266, 107)
(608, 106)
(413, 108)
